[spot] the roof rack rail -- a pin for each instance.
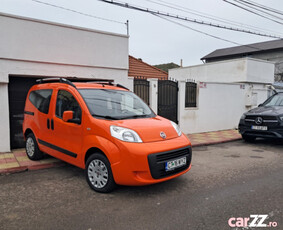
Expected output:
(110, 82)
(121, 86)
(106, 82)
(66, 81)
(57, 79)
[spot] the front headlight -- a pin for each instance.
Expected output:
(281, 118)
(177, 128)
(243, 116)
(124, 134)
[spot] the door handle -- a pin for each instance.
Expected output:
(48, 123)
(52, 124)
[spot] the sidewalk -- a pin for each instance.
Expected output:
(210, 138)
(17, 161)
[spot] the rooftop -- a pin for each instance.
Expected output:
(138, 68)
(246, 49)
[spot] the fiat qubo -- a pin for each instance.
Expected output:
(106, 130)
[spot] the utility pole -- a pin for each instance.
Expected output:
(128, 32)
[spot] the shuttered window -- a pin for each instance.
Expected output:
(191, 95)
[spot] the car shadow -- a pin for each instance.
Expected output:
(263, 141)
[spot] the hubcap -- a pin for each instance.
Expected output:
(97, 173)
(30, 146)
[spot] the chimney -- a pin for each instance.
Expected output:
(181, 63)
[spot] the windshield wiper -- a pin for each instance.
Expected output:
(106, 117)
(135, 116)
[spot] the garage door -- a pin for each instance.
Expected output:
(18, 88)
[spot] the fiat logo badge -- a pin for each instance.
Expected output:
(258, 120)
(163, 135)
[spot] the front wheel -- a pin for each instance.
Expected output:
(99, 174)
(32, 150)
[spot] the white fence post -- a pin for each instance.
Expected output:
(153, 94)
(181, 102)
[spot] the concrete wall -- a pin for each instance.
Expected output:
(237, 70)
(226, 90)
(29, 39)
(275, 56)
(38, 48)
(4, 118)
(219, 106)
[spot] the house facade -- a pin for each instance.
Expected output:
(32, 49)
(271, 51)
(224, 91)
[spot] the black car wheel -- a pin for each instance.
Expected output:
(99, 174)
(32, 150)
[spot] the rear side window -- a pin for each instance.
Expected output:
(67, 102)
(41, 99)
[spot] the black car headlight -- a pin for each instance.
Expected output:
(243, 116)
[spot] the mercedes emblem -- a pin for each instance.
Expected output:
(258, 120)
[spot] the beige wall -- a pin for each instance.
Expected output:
(38, 48)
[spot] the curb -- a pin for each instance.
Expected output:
(215, 142)
(30, 168)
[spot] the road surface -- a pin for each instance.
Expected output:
(234, 179)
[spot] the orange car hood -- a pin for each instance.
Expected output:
(149, 129)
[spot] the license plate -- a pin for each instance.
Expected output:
(171, 165)
(254, 127)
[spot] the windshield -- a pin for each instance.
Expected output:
(115, 104)
(275, 100)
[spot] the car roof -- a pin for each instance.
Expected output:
(94, 85)
(80, 85)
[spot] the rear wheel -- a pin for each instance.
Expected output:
(99, 174)
(248, 138)
(32, 149)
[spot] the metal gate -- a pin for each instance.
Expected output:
(168, 99)
(141, 88)
(18, 88)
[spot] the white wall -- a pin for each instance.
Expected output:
(236, 70)
(219, 107)
(38, 48)
(4, 119)
(29, 39)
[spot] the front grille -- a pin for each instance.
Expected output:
(157, 161)
(267, 120)
(253, 117)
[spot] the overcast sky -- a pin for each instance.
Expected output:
(153, 39)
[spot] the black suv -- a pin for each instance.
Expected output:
(264, 121)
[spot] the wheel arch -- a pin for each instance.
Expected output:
(91, 151)
(27, 132)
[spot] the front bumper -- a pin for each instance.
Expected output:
(138, 166)
(271, 132)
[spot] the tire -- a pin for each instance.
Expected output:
(99, 174)
(32, 149)
(248, 138)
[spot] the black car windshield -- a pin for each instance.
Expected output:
(275, 100)
(115, 104)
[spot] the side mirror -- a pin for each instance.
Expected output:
(68, 115)
(260, 105)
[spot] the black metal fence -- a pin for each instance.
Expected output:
(168, 99)
(141, 88)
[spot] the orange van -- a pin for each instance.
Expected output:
(106, 130)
